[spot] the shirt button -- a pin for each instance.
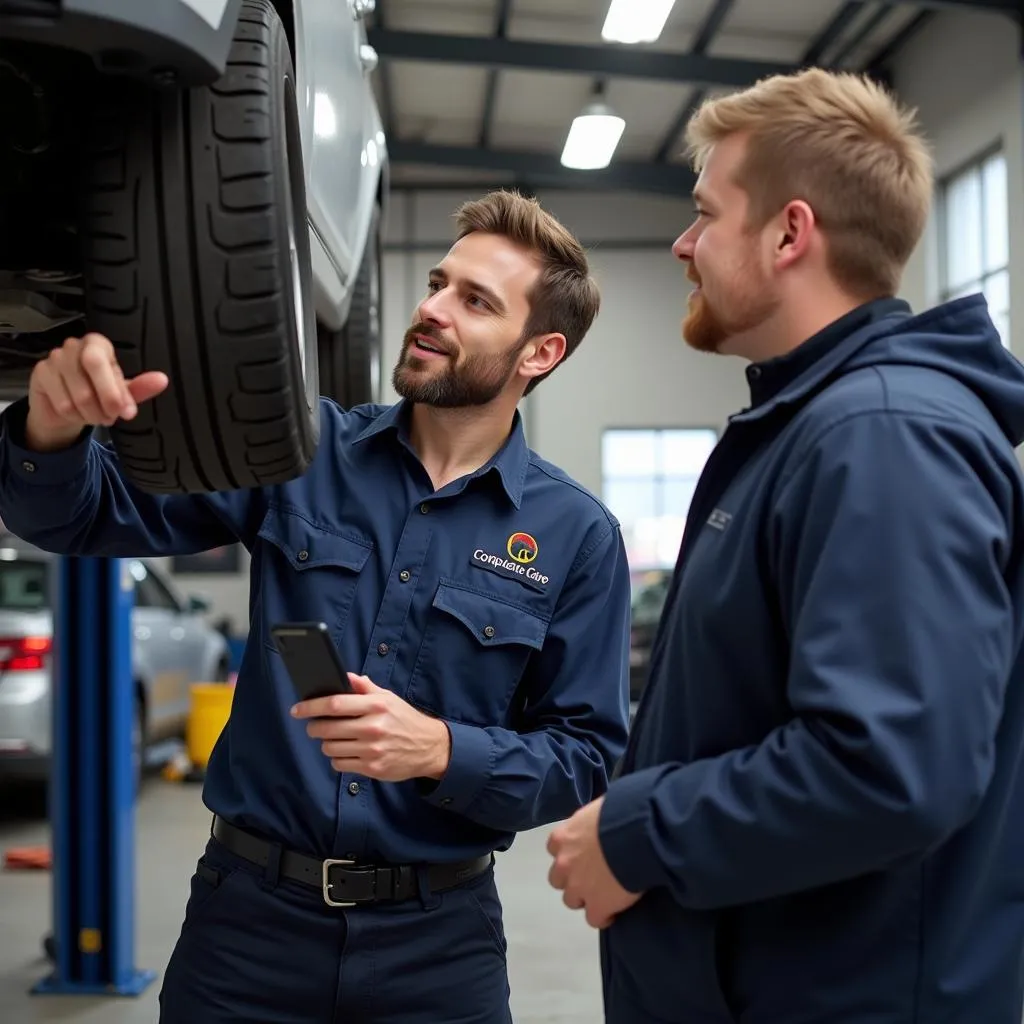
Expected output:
(303, 555)
(353, 788)
(446, 801)
(754, 372)
(29, 467)
(382, 649)
(404, 575)
(424, 508)
(488, 631)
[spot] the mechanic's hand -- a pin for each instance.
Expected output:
(81, 384)
(373, 732)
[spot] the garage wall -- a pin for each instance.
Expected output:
(963, 74)
(633, 369)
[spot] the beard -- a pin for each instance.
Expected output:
(710, 323)
(478, 380)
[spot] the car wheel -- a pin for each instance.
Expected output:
(196, 248)
(350, 359)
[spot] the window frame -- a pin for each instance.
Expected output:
(659, 478)
(974, 285)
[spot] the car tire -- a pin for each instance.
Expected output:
(351, 359)
(197, 263)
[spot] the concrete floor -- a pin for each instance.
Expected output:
(552, 954)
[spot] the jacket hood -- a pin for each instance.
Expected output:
(959, 339)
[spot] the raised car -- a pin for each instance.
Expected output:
(203, 181)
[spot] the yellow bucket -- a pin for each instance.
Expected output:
(209, 711)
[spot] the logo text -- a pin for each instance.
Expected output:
(526, 571)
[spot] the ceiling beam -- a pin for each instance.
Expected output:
(841, 20)
(705, 37)
(850, 45)
(539, 169)
(879, 63)
(491, 92)
(608, 61)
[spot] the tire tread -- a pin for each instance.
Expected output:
(185, 274)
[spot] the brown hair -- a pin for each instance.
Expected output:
(841, 143)
(565, 300)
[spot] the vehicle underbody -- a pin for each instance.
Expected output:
(44, 99)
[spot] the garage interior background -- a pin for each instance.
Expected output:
(633, 370)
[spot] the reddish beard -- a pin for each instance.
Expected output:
(750, 305)
(702, 330)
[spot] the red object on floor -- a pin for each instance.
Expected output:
(28, 858)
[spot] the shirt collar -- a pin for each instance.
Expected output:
(790, 377)
(510, 462)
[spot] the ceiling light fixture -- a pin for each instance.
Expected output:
(593, 138)
(636, 21)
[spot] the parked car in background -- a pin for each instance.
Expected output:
(172, 647)
(648, 599)
(204, 181)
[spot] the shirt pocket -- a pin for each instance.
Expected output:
(474, 652)
(309, 573)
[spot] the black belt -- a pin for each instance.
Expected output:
(345, 883)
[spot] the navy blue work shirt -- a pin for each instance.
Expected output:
(499, 603)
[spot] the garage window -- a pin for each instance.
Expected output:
(648, 479)
(975, 254)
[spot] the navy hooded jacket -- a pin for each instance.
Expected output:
(823, 794)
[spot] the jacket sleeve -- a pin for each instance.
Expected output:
(889, 550)
(76, 502)
(577, 709)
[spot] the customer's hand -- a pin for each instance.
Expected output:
(373, 732)
(581, 871)
(81, 384)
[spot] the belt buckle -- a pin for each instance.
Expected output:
(327, 865)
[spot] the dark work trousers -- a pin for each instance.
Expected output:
(258, 949)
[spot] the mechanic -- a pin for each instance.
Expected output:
(820, 814)
(479, 595)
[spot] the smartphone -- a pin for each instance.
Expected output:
(311, 658)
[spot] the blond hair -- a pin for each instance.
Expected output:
(841, 143)
(565, 299)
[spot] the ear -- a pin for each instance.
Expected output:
(795, 234)
(542, 354)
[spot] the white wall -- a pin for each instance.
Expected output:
(963, 75)
(633, 369)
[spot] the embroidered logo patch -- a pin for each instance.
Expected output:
(521, 548)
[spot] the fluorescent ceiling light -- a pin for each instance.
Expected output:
(593, 138)
(635, 21)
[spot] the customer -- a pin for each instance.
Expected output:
(481, 596)
(820, 815)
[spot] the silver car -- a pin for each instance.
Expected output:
(203, 181)
(172, 648)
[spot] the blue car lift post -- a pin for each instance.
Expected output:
(92, 787)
